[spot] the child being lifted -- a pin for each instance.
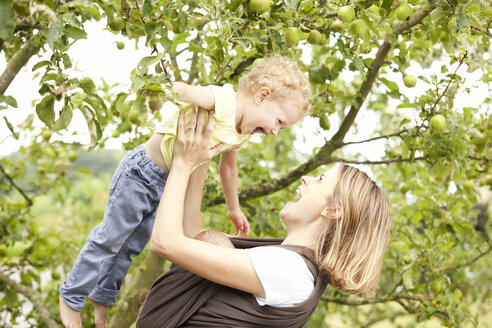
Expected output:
(272, 96)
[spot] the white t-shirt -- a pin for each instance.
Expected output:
(284, 275)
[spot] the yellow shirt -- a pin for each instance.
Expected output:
(225, 124)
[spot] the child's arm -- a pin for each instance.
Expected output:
(196, 95)
(228, 177)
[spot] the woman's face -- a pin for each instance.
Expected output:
(314, 193)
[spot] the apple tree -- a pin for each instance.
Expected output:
(404, 63)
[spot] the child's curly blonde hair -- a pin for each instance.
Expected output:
(281, 75)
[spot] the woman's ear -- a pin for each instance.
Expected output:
(262, 94)
(332, 213)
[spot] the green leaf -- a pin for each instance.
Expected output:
(87, 6)
(147, 8)
(149, 60)
(319, 74)
(10, 296)
(87, 85)
(462, 21)
(117, 105)
(83, 170)
(46, 111)
(407, 279)
(92, 124)
(41, 64)
(75, 33)
(11, 128)
(392, 86)
(53, 33)
(387, 5)
(65, 118)
(7, 20)
(234, 4)
(99, 106)
(9, 100)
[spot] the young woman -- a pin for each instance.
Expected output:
(337, 233)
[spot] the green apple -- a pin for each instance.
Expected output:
(46, 134)
(315, 37)
(133, 116)
(117, 24)
(259, 5)
(358, 26)
(324, 122)
(120, 45)
(346, 13)
(155, 102)
(437, 286)
(488, 179)
(404, 11)
(438, 123)
(72, 155)
(55, 275)
(410, 81)
(293, 35)
(337, 25)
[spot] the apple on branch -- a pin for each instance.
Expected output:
(346, 13)
(259, 5)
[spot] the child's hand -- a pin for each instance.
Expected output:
(240, 222)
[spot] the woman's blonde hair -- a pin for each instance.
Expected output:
(351, 248)
(282, 76)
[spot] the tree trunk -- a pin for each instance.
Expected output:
(18, 60)
(135, 291)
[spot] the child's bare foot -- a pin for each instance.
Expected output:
(70, 318)
(101, 313)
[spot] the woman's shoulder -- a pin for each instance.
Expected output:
(284, 274)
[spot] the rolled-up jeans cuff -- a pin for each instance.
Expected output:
(104, 295)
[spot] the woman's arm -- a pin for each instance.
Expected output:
(192, 216)
(226, 266)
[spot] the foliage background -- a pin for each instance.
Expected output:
(436, 271)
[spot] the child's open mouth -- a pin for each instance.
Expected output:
(258, 130)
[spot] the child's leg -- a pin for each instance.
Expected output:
(133, 193)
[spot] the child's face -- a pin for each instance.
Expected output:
(270, 114)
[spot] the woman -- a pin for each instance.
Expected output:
(337, 233)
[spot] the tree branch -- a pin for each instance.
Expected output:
(449, 83)
(242, 66)
(387, 161)
(463, 265)
(13, 184)
(484, 159)
(484, 31)
(194, 61)
(14, 65)
(387, 136)
(37, 303)
(373, 300)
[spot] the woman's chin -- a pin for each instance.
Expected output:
(285, 210)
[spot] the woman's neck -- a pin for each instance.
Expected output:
(300, 239)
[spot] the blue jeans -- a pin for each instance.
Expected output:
(134, 194)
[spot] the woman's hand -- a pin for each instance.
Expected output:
(192, 146)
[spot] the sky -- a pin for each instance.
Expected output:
(98, 57)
